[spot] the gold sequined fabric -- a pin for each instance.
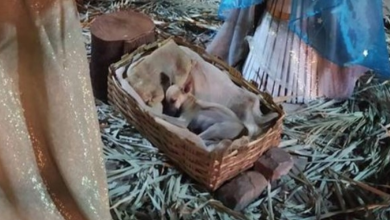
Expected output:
(51, 160)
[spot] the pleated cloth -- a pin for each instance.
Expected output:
(279, 61)
(285, 66)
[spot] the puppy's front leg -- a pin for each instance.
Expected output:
(219, 146)
(209, 143)
(223, 130)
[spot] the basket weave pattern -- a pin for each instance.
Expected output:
(209, 169)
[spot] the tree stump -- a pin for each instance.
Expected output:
(112, 36)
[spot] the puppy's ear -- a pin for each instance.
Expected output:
(165, 81)
(188, 85)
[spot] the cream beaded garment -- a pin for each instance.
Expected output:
(51, 161)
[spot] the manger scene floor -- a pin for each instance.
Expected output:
(340, 148)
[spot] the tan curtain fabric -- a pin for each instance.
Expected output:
(229, 43)
(51, 161)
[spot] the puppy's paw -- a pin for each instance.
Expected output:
(220, 147)
(239, 143)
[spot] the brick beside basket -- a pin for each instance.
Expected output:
(209, 169)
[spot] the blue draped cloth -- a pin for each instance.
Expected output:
(346, 32)
(226, 5)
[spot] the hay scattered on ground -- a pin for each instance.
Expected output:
(342, 154)
(341, 150)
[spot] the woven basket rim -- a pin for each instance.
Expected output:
(128, 58)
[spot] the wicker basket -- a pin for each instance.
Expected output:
(209, 169)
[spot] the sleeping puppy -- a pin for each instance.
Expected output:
(168, 63)
(119, 74)
(213, 122)
(208, 83)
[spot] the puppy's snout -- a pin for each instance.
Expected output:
(171, 110)
(175, 111)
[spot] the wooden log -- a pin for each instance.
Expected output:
(113, 35)
(239, 192)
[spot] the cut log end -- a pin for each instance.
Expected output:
(126, 25)
(113, 35)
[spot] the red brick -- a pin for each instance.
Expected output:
(242, 190)
(274, 163)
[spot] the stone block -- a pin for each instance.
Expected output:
(275, 163)
(242, 190)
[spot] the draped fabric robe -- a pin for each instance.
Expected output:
(329, 79)
(51, 161)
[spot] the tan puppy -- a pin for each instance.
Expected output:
(153, 112)
(214, 122)
(208, 83)
(168, 63)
